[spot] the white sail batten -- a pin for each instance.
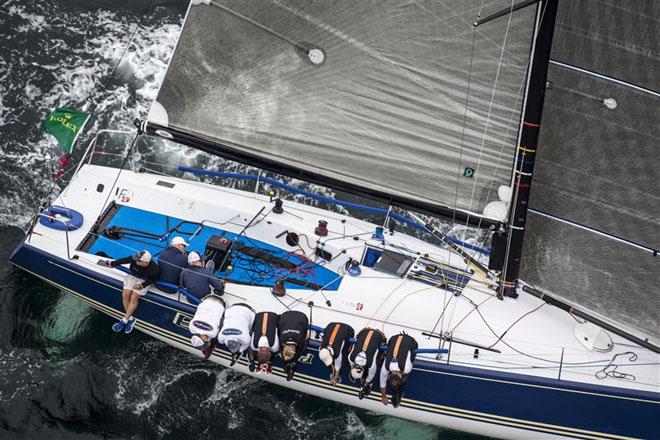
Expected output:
(369, 93)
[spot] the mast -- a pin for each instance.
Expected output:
(527, 148)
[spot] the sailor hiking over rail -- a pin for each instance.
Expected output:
(335, 346)
(265, 341)
(292, 328)
(205, 325)
(397, 366)
(365, 358)
(236, 329)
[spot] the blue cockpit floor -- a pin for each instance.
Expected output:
(156, 230)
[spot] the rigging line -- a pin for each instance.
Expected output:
(532, 356)
(475, 307)
(442, 315)
(400, 301)
(490, 107)
(372, 318)
(605, 77)
(465, 113)
(515, 110)
(458, 17)
(653, 251)
(123, 164)
(516, 322)
(481, 8)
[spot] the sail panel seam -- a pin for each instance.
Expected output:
(606, 77)
(645, 248)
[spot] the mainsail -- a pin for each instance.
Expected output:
(409, 103)
(594, 219)
(406, 101)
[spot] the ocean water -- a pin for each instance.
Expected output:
(63, 373)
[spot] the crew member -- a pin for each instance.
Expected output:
(292, 329)
(365, 358)
(171, 261)
(205, 325)
(235, 333)
(144, 272)
(198, 280)
(265, 341)
(398, 365)
(335, 346)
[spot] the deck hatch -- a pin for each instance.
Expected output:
(165, 184)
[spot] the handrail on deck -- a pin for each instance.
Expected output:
(330, 200)
(383, 347)
(91, 148)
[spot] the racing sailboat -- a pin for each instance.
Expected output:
(429, 110)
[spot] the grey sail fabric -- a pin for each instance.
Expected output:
(387, 108)
(600, 167)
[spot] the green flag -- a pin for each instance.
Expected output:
(65, 124)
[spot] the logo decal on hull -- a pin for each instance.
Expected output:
(125, 195)
(181, 320)
(307, 358)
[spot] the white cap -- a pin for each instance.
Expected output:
(196, 341)
(356, 372)
(193, 257)
(145, 256)
(178, 240)
(361, 359)
(325, 354)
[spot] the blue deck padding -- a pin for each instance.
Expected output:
(245, 270)
(316, 328)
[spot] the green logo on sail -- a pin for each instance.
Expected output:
(468, 172)
(65, 124)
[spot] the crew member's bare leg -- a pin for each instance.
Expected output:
(125, 297)
(132, 305)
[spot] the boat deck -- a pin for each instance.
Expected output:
(524, 335)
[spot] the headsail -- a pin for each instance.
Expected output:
(383, 110)
(594, 216)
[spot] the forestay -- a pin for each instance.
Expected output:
(599, 167)
(410, 102)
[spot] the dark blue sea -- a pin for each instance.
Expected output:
(63, 373)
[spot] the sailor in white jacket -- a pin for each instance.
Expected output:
(235, 332)
(205, 325)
